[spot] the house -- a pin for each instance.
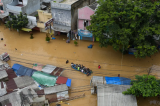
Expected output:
(22, 97)
(96, 80)
(44, 16)
(28, 7)
(3, 12)
(55, 93)
(109, 91)
(25, 6)
(84, 15)
(83, 21)
(49, 69)
(111, 95)
(65, 14)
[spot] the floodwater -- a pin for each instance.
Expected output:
(56, 53)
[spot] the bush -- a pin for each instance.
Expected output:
(47, 38)
(75, 42)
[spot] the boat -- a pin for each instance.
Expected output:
(75, 66)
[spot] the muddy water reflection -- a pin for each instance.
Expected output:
(152, 101)
(56, 52)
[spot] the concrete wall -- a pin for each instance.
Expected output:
(74, 11)
(32, 20)
(31, 7)
(14, 2)
(43, 17)
(62, 16)
(80, 24)
(5, 2)
(85, 13)
(14, 8)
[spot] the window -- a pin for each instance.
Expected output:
(86, 23)
(1, 7)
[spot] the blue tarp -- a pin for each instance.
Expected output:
(24, 71)
(84, 33)
(16, 67)
(68, 83)
(118, 80)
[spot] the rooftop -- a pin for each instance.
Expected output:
(93, 6)
(68, 1)
(111, 95)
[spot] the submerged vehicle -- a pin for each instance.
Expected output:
(82, 69)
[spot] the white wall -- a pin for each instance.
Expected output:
(32, 20)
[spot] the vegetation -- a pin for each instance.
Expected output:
(121, 23)
(31, 37)
(17, 22)
(75, 42)
(146, 86)
(47, 38)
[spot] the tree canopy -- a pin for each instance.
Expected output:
(17, 22)
(146, 86)
(124, 23)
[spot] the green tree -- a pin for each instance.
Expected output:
(17, 22)
(121, 23)
(146, 86)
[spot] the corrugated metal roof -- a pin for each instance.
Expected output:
(40, 92)
(48, 69)
(11, 85)
(97, 80)
(14, 99)
(11, 74)
(51, 98)
(55, 89)
(61, 80)
(3, 74)
(23, 81)
(30, 93)
(62, 95)
(111, 95)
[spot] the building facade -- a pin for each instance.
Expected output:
(65, 14)
(3, 12)
(24, 6)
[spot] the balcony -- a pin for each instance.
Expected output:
(14, 9)
(3, 14)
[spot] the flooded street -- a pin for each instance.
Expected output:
(56, 53)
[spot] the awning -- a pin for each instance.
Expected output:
(61, 28)
(26, 29)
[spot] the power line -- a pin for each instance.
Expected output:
(75, 59)
(63, 66)
(66, 69)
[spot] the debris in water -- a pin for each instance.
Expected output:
(1, 38)
(4, 44)
(21, 54)
(15, 49)
(67, 61)
(90, 46)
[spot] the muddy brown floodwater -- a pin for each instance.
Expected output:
(56, 53)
